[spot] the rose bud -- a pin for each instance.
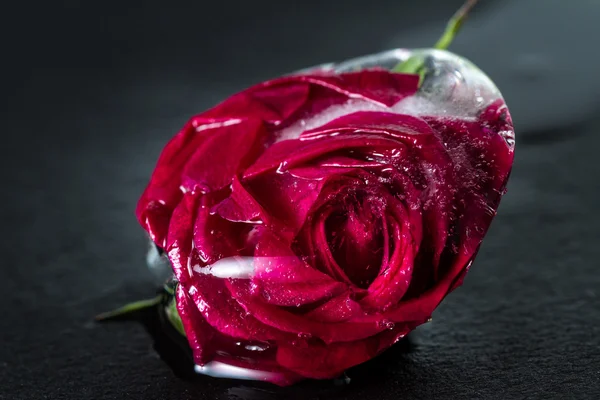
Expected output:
(313, 220)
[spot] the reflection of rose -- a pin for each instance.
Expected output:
(304, 245)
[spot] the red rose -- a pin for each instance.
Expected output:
(312, 222)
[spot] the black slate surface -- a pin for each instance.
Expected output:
(93, 90)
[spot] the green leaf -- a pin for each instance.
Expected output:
(131, 308)
(173, 316)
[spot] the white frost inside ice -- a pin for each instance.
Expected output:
(456, 88)
(218, 369)
(415, 105)
(326, 116)
(230, 267)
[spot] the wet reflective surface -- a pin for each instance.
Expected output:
(525, 322)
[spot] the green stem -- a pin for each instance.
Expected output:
(454, 25)
(416, 64)
(169, 289)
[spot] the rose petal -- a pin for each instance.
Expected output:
(240, 206)
(260, 102)
(286, 280)
(319, 361)
(356, 237)
(339, 309)
(198, 332)
(378, 86)
(291, 195)
(288, 198)
(400, 126)
(216, 304)
(283, 100)
(162, 194)
(179, 240)
(278, 99)
(215, 163)
(390, 286)
(415, 309)
(291, 153)
(285, 320)
(215, 238)
(319, 245)
(223, 352)
(380, 130)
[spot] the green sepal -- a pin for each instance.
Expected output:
(131, 308)
(173, 316)
(412, 65)
(416, 64)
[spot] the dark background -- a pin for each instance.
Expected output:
(91, 92)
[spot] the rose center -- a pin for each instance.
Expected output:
(355, 238)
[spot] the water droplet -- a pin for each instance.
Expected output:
(254, 289)
(342, 381)
(304, 335)
(399, 338)
(299, 343)
(256, 347)
(509, 137)
(386, 324)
